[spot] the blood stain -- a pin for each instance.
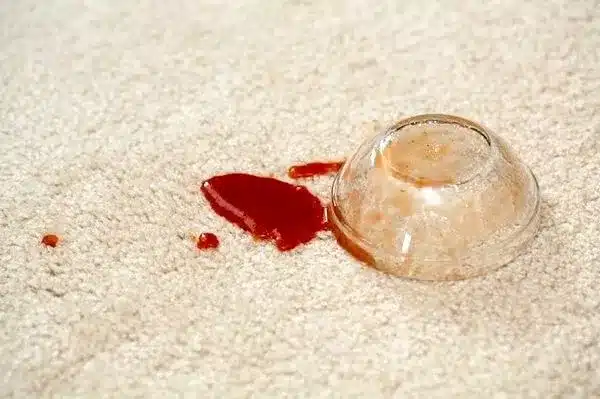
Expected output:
(50, 240)
(207, 241)
(267, 208)
(314, 169)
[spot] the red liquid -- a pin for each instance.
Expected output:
(50, 240)
(207, 241)
(314, 169)
(267, 208)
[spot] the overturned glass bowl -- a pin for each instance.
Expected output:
(435, 197)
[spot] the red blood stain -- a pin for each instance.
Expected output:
(50, 240)
(267, 208)
(207, 241)
(314, 169)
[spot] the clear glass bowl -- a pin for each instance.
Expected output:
(435, 197)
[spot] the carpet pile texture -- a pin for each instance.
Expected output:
(113, 112)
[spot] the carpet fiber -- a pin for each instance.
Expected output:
(113, 112)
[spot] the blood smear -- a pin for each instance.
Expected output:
(314, 169)
(267, 208)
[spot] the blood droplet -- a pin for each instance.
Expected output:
(267, 208)
(207, 241)
(314, 169)
(50, 240)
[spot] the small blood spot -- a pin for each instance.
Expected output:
(207, 241)
(314, 169)
(50, 240)
(267, 208)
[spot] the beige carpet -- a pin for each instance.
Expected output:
(113, 112)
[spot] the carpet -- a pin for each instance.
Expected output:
(113, 112)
